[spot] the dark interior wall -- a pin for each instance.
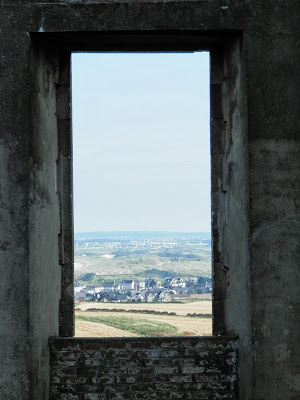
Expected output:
(44, 216)
(65, 192)
(230, 195)
(235, 230)
(14, 215)
(273, 107)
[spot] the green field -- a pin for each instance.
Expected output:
(139, 326)
(191, 318)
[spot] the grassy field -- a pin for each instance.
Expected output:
(104, 322)
(139, 326)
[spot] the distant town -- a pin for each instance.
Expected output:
(148, 291)
(142, 267)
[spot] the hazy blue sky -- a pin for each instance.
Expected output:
(141, 141)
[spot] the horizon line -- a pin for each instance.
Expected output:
(164, 231)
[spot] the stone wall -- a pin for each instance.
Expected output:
(143, 368)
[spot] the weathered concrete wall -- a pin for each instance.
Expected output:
(272, 49)
(230, 195)
(44, 218)
(14, 191)
(65, 190)
(144, 368)
(261, 304)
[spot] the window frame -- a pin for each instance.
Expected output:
(62, 45)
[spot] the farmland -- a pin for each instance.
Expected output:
(101, 320)
(174, 264)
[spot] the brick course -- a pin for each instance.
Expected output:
(198, 368)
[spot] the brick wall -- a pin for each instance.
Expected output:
(143, 368)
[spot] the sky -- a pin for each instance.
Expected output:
(141, 142)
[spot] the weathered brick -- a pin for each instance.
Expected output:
(72, 380)
(140, 371)
(104, 380)
(141, 345)
(181, 378)
(152, 362)
(193, 370)
(135, 369)
(131, 362)
(141, 388)
(66, 397)
(113, 345)
(165, 370)
(205, 378)
(95, 396)
(121, 396)
(86, 371)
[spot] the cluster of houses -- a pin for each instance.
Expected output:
(149, 290)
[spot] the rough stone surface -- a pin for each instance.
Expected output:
(129, 369)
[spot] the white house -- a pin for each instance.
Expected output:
(137, 297)
(127, 285)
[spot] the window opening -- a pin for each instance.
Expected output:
(141, 194)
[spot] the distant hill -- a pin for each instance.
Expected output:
(141, 235)
(129, 255)
(156, 273)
